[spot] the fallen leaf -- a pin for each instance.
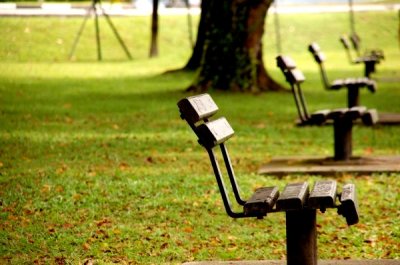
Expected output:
(104, 222)
(232, 238)
(150, 159)
(188, 229)
(59, 188)
(45, 188)
(123, 166)
(368, 150)
(88, 262)
(59, 260)
(117, 231)
(76, 197)
(86, 246)
(164, 246)
(67, 225)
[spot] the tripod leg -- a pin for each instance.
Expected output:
(97, 33)
(189, 21)
(78, 36)
(121, 42)
(277, 29)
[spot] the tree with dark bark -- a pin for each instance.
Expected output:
(228, 52)
(154, 31)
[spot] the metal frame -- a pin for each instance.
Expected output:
(301, 235)
(301, 231)
(342, 126)
(93, 9)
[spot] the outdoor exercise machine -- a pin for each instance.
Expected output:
(342, 120)
(369, 58)
(299, 204)
(94, 9)
(353, 86)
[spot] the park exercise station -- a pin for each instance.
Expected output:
(342, 120)
(354, 84)
(299, 204)
(296, 200)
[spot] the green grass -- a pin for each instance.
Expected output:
(95, 163)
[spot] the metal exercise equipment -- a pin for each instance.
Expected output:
(342, 118)
(94, 9)
(370, 57)
(343, 121)
(189, 24)
(353, 86)
(296, 200)
(277, 28)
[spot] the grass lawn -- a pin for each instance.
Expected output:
(95, 163)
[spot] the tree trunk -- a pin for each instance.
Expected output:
(231, 54)
(154, 31)
(195, 59)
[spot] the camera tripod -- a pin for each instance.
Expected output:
(93, 9)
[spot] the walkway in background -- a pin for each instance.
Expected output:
(66, 9)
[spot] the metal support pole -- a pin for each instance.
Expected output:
(353, 97)
(277, 28)
(301, 237)
(189, 21)
(78, 36)
(221, 186)
(343, 128)
(369, 68)
(96, 7)
(97, 28)
(117, 36)
(300, 108)
(325, 80)
(352, 22)
(398, 31)
(232, 178)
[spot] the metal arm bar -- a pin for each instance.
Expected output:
(302, 101)
(346, 46)
(302, 115)
(324, 76)
(221, 186)
(231, 174)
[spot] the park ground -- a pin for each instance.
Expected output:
(96, 165)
